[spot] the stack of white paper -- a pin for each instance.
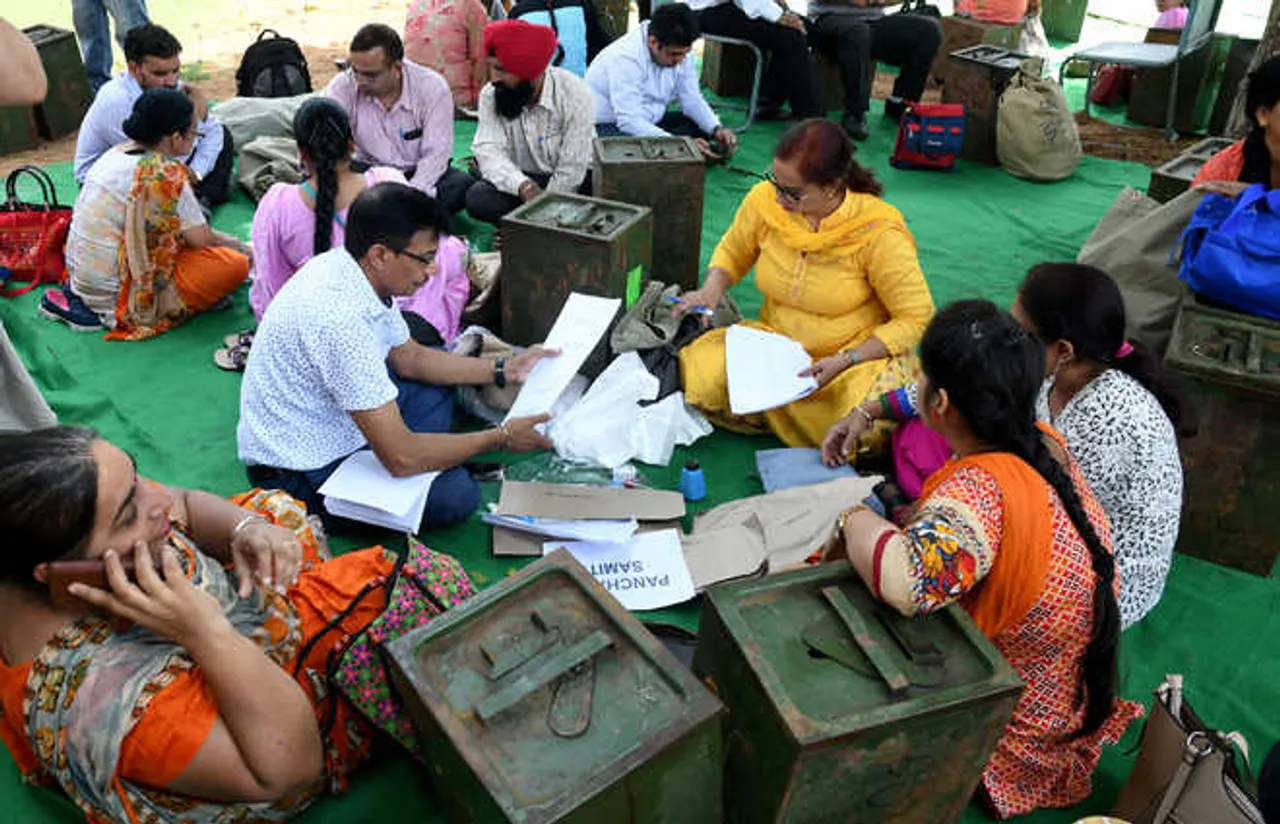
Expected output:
(764, 370)
(595, 530)
(363, 490)
(647, 572)
(579, 327)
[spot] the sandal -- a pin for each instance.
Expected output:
(244, 338)
(232, 358)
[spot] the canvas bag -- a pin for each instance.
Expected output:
(1036, 136)
(1186, 772)
(33, 236)
(1132, 243)
(1231, 250)
(267, 161)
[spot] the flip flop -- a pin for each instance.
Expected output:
(244, 338)
(232, 358)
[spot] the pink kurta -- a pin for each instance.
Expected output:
(284, 238)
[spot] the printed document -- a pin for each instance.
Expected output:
(647, 572)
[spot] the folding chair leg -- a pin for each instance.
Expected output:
(1088, 88)
(753, 102)
(1170, 133)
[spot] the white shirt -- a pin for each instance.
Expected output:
(97, 229)
(1128, 453)
(552, 137)
(320, 353)
(633, 92)
(755, 9)
(103, 127)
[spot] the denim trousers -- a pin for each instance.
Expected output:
(94, 32)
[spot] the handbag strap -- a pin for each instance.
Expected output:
(1197, 747)
(48, 191)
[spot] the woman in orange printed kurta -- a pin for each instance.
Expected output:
(839, 273)
(214, 705)
(1011, 530)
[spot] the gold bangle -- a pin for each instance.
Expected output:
(866, 416)
(843, 520)
(505, 433)
(244, 522)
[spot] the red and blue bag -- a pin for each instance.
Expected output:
(930, 136)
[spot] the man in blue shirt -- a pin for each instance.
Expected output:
(153, 56)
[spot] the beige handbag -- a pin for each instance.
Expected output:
(1186, 773)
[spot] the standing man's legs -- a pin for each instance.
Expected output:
(848, 39)
(94, 33)
(910, 42)
(790, 74)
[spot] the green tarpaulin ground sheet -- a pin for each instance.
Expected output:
(978, 230)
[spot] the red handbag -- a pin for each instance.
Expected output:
(33, 236)
(1113, 85)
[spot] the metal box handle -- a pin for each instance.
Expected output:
(894, 678)
(541, 673)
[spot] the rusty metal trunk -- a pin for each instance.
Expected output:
(543, 700)
(1230, 365)
(841, 710)
(669, 175)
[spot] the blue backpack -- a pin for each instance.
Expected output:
(1231, 251)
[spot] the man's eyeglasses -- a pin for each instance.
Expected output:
(789, 192)
(368, 77)
(429, 259)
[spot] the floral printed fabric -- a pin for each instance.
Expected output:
(425, 583)
(149, 302)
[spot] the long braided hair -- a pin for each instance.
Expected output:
(323, 132)
(991, 369)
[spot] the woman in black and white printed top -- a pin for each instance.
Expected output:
(1118, 413)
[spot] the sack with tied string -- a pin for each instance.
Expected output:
(1036, 135)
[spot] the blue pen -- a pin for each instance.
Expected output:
(701, 310)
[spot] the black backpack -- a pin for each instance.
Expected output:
(273, 67)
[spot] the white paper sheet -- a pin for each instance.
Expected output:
(582, 322)
(647, 572)
(362, 489)
(763, 370)
(593, 530)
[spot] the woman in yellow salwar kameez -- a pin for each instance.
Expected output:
(839, 274)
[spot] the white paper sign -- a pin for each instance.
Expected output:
(763, 370)
(647, 572)
(582, 322)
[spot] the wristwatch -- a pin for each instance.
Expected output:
(500, 373)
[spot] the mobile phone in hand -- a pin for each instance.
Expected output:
(89, 571)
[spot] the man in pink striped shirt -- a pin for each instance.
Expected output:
(401, 115)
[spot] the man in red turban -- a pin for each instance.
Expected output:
(536, 122)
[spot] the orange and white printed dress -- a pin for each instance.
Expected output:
(992, 534)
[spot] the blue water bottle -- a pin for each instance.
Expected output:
(692, 484)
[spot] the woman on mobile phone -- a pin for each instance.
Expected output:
(214, 704)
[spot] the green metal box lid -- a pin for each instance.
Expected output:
(1225, 346)
(834, 660)
(647, 150)
(588, 217)
(550, 690)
